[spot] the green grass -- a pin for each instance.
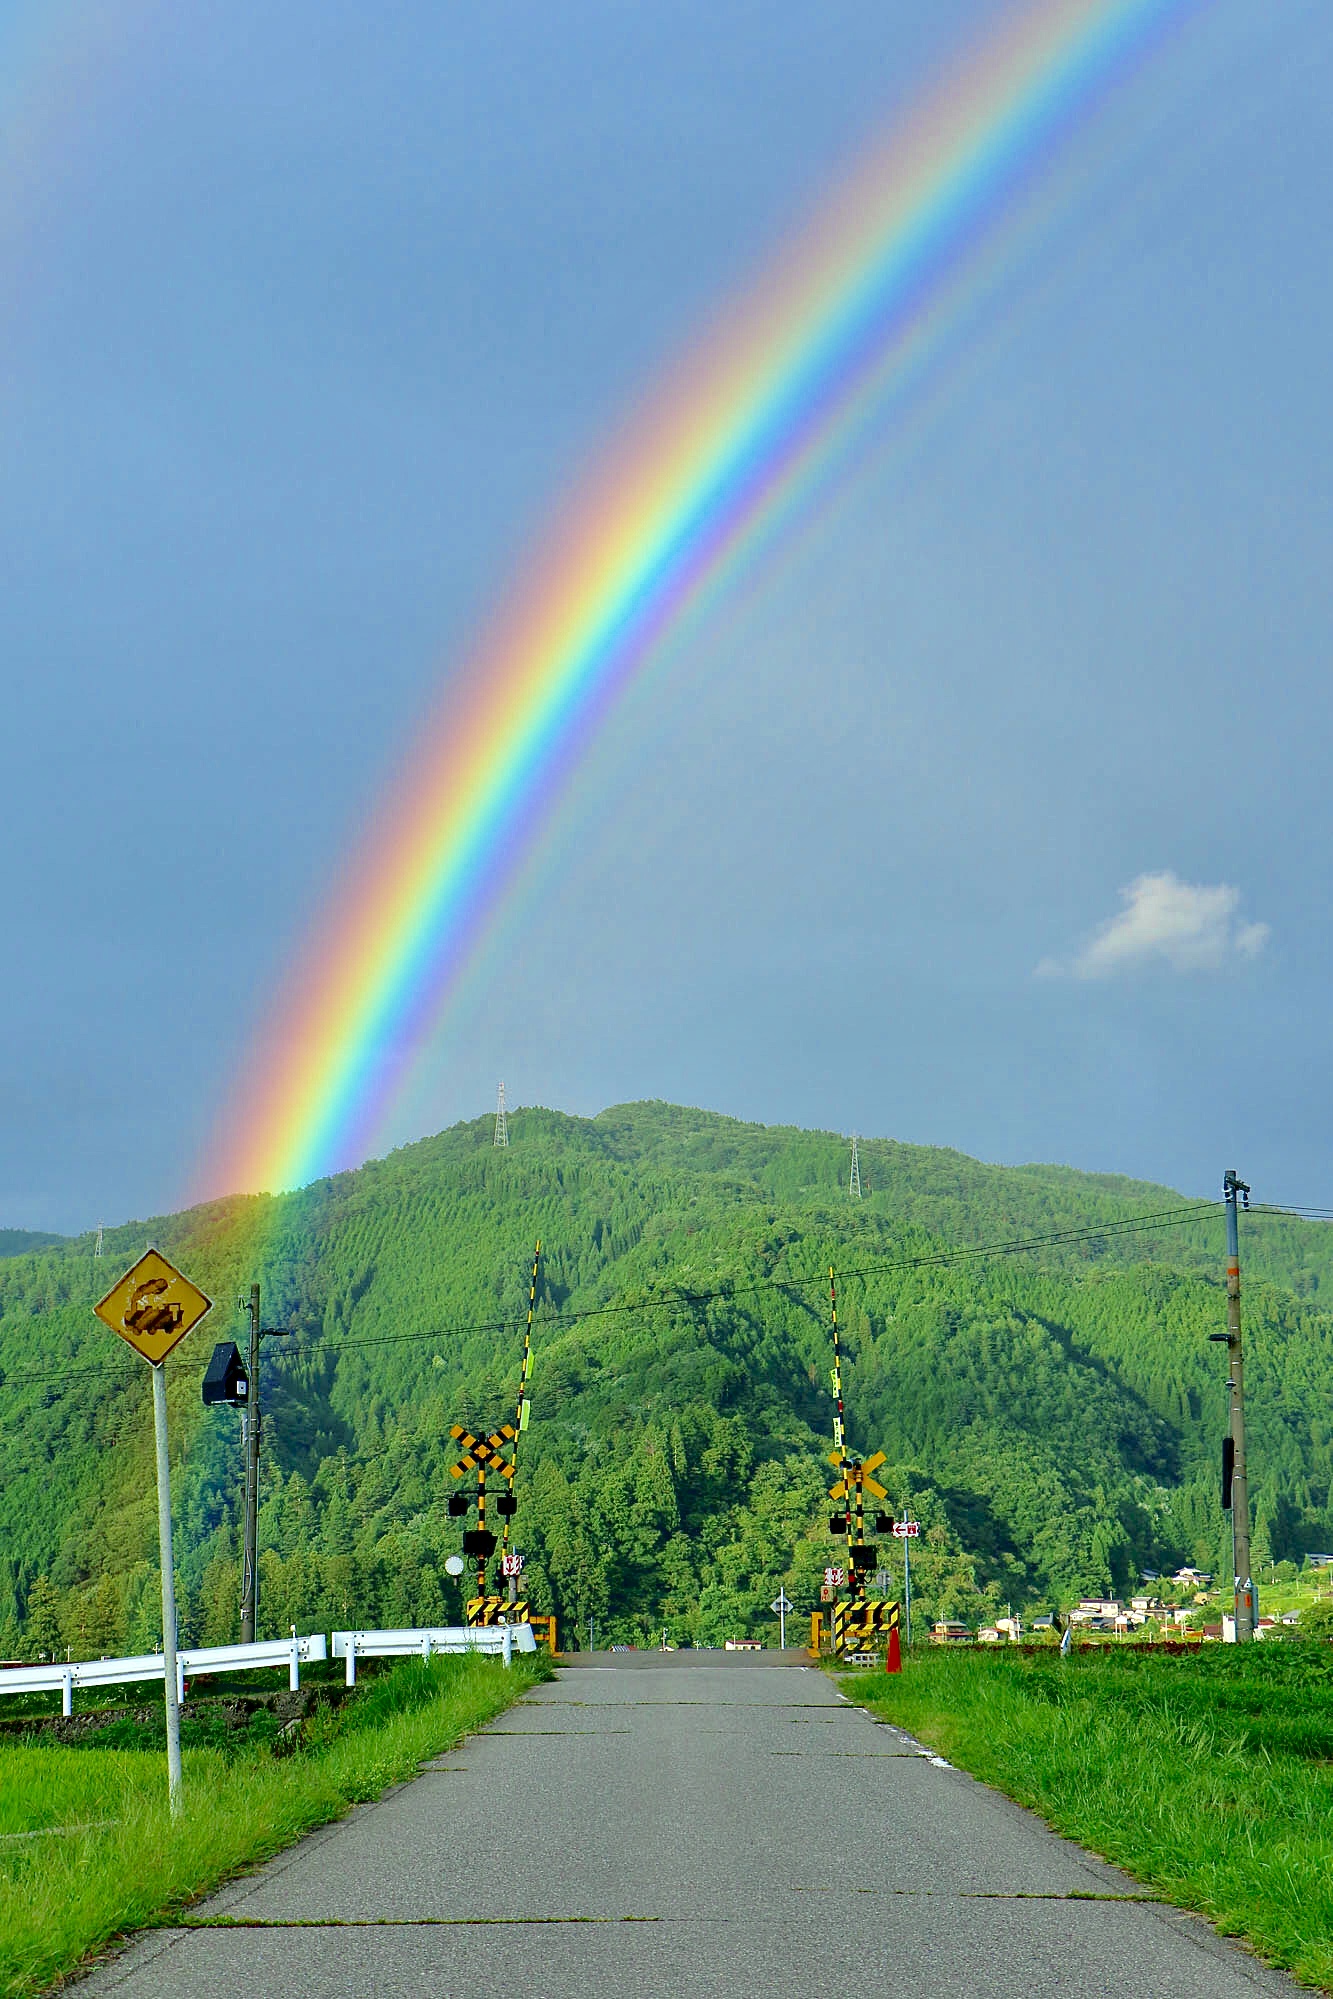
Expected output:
(105, 1856)
(1207, 1776)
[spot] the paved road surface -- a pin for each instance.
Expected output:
(658, 1826)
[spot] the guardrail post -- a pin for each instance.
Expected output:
(508, 1642)
(351, 1658)
(294, 1669)
(180, 1679)
(425, 1644)
(67, 1692)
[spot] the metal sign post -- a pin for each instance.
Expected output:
(907, 1531)
(152, 1308)
(171, 1691)
(779, 1607)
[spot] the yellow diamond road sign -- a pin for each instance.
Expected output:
(153, 1307)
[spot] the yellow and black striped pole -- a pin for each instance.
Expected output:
(524, 1412)
(839, 1417)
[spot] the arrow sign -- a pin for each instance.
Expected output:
(907, 1530)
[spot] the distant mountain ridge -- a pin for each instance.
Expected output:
(1051, 1417)
(17, 1242)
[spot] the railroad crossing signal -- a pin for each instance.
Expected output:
(153, 1307)
(856, 1474)
(483, 1454)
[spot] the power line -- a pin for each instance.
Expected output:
(727, 1288)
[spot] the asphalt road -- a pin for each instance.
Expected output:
(650, 1825)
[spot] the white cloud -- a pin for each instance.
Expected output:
(1167, 921)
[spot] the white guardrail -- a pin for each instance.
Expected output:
(289, 1652)
(496, 1639)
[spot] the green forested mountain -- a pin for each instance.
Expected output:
(1052, 1417)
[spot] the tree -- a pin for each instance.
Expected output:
(44, 1640)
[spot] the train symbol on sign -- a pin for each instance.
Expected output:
(834, 1578)
(511, 1565)
(149, 1312)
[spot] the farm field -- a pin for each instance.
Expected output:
(88, 1849)
(1207, 1776)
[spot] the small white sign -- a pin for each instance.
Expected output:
(907, 1530)
(834, 1578)
(511, 1565)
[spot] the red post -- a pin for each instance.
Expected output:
(893, 1652)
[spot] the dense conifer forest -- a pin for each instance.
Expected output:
(1051, 1416)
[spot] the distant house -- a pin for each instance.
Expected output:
(1319, 1561)
(947, 1632)
(988, 1635)
(1199, 1576)
(1098, 1613)
(1043, 1622)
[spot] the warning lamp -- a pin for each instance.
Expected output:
(506, 1505)
(479, 1541)
(837, 1523)
(883, 1524)
(226, 1379)
(458, 1504)
(865, 1557)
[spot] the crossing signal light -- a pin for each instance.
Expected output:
(506, 1504)
(865, 1557)
(479, 1541)
(883, 1524)
(837, 1523)
(458, 1504)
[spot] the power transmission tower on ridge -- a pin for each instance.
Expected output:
(97, 1246)
(854, 1178)
(501, 1119)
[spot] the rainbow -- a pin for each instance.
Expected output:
(659, 524)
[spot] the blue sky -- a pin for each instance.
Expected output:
(994, 814)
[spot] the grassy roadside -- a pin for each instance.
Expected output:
(117, 1862)
(1208, 1776)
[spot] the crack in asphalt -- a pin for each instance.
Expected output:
(394, 1922)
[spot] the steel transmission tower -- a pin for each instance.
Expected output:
(501, 1119)
(97, 1246)
(854, 1178)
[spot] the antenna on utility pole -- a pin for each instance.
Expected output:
(501, 1119)
(854, 1178)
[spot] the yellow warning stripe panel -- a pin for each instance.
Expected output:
(483, 1610)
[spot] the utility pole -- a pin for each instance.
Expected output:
(252, 1422)
(1246, 1609)
(250, 1558)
